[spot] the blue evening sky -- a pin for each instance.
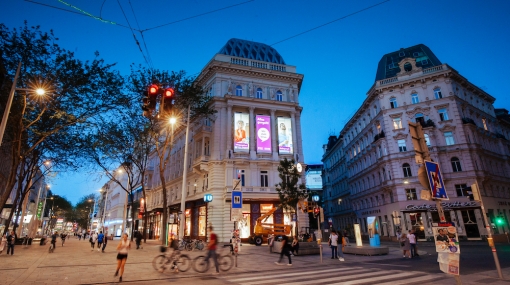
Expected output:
(338, 60)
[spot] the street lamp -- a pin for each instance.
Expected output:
(38, 91)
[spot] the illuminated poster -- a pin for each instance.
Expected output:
(357, 235)
(241, 132)
(284, 136)
(263, 124)
(446, 238)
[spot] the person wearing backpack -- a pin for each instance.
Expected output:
(100, 239)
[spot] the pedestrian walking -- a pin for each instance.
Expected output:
(11, 240)
(100, 239)
(105, 241)
(343, 244)
(79, 237)
(285, 250)
(138, 239)
(3, 242)
(333, 243)
(295, 246)
(92, 240)
(412, 241)
(122, 254)
(405, 246)
(416, 244)
(213, 242)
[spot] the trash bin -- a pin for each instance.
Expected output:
(43, 241)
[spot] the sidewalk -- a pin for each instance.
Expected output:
(75, 263)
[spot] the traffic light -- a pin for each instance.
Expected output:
(316, 212)
(473, 193)
(167, 100)
(500, 221)
(146, 107)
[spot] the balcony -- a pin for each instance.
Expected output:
(468, 121)
(428, 124)
(379, 136)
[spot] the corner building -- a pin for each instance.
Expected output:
(258, 123)
(370, 168)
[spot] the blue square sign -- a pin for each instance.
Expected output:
(237, 200)
(435, 180)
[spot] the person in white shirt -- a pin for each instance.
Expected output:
(412, 242)
(333, 242)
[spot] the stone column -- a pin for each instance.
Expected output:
(228, 127)
(253, 137)
(274, 144)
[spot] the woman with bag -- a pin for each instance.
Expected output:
(405, 245)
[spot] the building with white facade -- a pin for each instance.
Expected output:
(370, 167)
(258, 123)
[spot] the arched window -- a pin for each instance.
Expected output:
(239, 90)
(407, 170)
(279, 95)
(414, 98)
(259, 93)
(456, 164)
(393, 102)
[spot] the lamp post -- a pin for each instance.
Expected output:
(184, 178)
(91, 211)
(104, 207)
(39, 91)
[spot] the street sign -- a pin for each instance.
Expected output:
(236, 184)
(436, 181)
(208, 198)
(236, 214)
(237, 200)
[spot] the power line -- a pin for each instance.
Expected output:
(141, 34)
(191, 17)
(341, 18)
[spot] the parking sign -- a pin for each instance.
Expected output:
(435, 180)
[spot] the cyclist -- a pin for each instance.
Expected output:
(54, 240)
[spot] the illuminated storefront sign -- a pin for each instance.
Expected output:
(445, 206)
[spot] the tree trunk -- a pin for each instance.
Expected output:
(132, 214)
(164, 223)
(144, 215)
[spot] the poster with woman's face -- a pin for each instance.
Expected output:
(446, 239)
(285, 145)
(241, 132)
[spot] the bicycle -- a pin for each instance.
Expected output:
(225, 262)
(175, 260)
(195, 244)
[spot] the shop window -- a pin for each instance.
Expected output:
(259, 93)
(402, 145)
(187, 225)
(245, 224)
(239, 90)
(411, 194)
(407, 170)
(448, 136)
(461, 190)
(263, 179)
(456, 164)
(393, 103)
(202, 212)
(437, 93)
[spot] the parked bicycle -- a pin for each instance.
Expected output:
(171, 260)
(225, 262)
(195, 244)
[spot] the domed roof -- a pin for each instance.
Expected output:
(251, 50)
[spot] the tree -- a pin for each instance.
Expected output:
(78, 95)
(289, 191)
(82, 209)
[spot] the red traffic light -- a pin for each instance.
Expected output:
(169, 92)
(153, 89)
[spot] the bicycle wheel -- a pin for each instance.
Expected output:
(189, 247)
(183, 263)
(200, 265)
(182, 245)
(225, 262)
(200, 245)
(159, 263)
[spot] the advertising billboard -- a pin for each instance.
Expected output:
(263, 125)
(285, 136)
(241, 132)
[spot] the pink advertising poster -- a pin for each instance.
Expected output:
(263, 125)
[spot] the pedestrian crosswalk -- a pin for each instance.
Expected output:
(354, 275)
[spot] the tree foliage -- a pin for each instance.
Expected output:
(289, 191)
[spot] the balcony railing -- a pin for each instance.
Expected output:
(379, 136)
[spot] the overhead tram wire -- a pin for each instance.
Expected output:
(191, 17)
(134, 36)
(341, 18)
(141, 34)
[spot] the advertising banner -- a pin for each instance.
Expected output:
(263, 125)
(241, 132)
(445, 238)
(284, 136)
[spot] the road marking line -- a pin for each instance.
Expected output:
(415, 279)
(338, 278)
(367, 280)
(258, 277)
(396, 265)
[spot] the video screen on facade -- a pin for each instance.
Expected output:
(263, 125)
(285, 145)
(241, 132)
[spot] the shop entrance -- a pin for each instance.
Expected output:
(417, 225)
(469, 218)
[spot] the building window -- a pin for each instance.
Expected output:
(263, 179)
(437, 93)
(259, 93)
(484, 122)
(240, 175)
(393, 102)
(427, 140)
(392, 199)
(402, 145)
(239, 90)
(202, 213)
(397, 123)
(279, 95)
(411, 194)
(407, 170)
(448, 136)
(415, 99)
(443, 114)
(461, 190)
(419, 118)
(456, 164)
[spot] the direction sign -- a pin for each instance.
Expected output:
(237, 200)
(436, 180)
